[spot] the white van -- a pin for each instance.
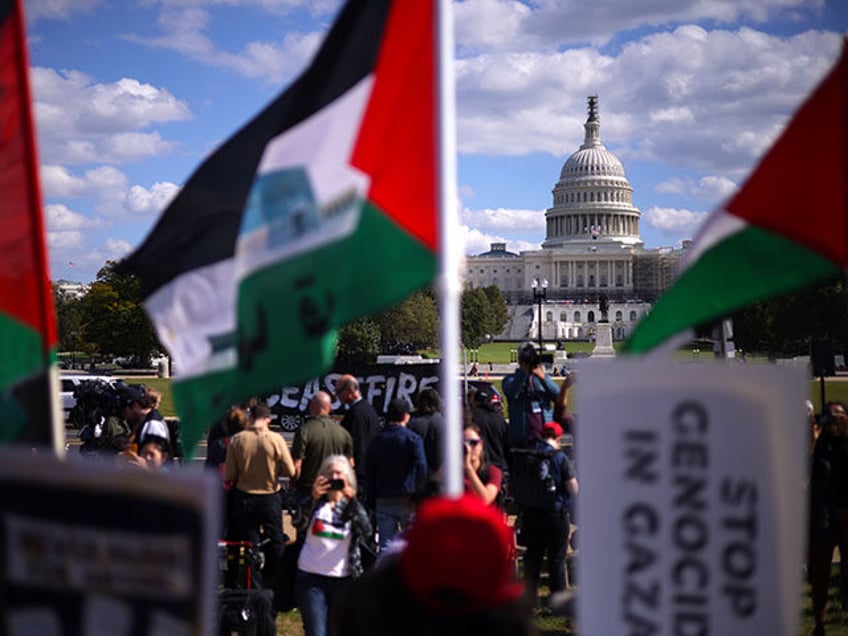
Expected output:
(70, 382)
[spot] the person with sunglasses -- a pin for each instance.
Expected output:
(482, 479)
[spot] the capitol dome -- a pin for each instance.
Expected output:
(593, 200)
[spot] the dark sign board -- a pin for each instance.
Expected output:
(379, 383)
(91, 549)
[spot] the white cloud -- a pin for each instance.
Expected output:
(505, 220)
(57, 9)
(503, 24)
(116, 248)
(702, 100)
(475, 241)
(673, 221)
(709, 188)
(65, 240)
(81, 121)
(142, 200)
(60, 218)
(184, 30)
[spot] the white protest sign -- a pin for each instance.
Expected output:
(691, 510)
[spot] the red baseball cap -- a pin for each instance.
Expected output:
(553, 426)
(460, 556)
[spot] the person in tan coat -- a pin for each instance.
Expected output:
(256, 460)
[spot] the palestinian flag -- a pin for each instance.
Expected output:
(784, 229)
(27, 323)
(321, 210)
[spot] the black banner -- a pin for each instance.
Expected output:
(379, 384)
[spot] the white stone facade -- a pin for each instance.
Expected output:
(591, 248)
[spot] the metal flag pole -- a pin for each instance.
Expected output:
(449, 254)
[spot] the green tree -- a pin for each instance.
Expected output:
(68, 320)
(786, 325)
(359, 342)
(474, 306)
(413, 321)
(498, 314)
(113, 316)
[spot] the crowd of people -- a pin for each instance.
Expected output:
(367, 496)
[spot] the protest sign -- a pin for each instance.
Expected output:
(379, 383)
(89, 549)
(691, 507)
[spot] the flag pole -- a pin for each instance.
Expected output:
(448, 286)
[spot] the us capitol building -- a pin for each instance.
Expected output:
(592, 249)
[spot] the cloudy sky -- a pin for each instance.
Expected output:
(130, 97)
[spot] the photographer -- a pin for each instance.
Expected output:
(531, 394)
(330, 554)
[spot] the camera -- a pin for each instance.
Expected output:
(528, 353)
(337, 484)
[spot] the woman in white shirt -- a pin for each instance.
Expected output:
(330, 554)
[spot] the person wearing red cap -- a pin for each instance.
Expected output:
(455, 577)
(545, 529)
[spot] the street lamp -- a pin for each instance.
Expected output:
(540, 291)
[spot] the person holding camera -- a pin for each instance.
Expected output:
(330, 554)
(531, 395)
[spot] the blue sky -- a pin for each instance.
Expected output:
(130, 97)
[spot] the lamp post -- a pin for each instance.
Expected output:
(540, 291)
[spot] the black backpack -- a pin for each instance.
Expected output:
(533, 478)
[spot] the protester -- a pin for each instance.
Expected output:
(330, 554)
(829, 510)
(455, 577)
(531, 394)
(156, 451)
(396, 469)
(427, 421)
(493, 428)
(154, 455)
(361, 421)
(482, 479)
(545, 528)
(256, 459)
(319, 437)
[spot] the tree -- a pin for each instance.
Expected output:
(414, 321)
(359, 343)
(113, 317)
(788, 324)
(474, 306)
(498, 314)
(68, 320)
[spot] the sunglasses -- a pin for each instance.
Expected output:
(473, 442)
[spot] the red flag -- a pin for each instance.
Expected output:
(27, 323)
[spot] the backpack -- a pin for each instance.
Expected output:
(533, 478)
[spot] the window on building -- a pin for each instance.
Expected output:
(576, 316)
(618, 315)
(563, 317)
(549, 316)
(632, 316)
(590, 316)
